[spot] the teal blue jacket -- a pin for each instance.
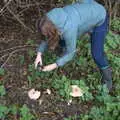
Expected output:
(72, 21)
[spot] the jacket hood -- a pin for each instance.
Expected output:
(58, 18)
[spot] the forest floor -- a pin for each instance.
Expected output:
(17, 54)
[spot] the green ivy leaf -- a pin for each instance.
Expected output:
(2, 71)
(25, 113)
(2, 90)
(3, 111)
(30, 42)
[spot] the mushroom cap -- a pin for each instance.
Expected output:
(34, 94)
(76, 91)
(48, 91)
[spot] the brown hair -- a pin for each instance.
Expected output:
(47, 28)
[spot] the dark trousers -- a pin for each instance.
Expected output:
(97, 44)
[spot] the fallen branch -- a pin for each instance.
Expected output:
(18, 47)
(10, 55)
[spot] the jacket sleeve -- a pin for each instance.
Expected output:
(42, 47)
(70, 41)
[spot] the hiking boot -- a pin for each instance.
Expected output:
(107, 77)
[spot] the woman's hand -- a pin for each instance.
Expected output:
(38, 59)
(49, 67)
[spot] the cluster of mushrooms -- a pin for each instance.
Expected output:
(75, 92)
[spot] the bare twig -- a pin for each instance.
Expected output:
(1, 11)
(23, 4)
(41, 3)
(115, 10)
(21, 48)
(37, 6)
(22, 11)
(4, 56)
(18, 19)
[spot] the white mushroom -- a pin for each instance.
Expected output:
(69, 102)
(76, 91)
(48, 91)
(40, 101)
(34, 95)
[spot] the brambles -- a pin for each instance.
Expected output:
(3, 111)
